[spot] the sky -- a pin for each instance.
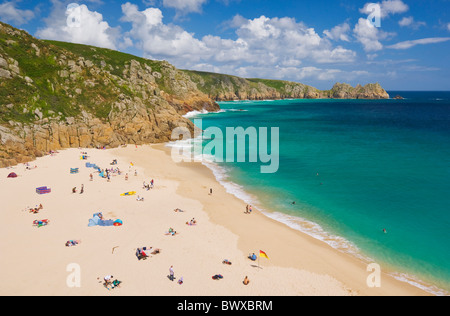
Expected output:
(403, 45)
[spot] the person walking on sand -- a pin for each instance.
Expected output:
(82, 189)
(171, 274)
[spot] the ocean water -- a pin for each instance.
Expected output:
(354, 168)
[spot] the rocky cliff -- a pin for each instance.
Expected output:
(227, 88)
(59, 95)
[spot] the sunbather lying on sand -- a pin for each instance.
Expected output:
(217, 277)
(156, 251)
(192, 222)
(71, 243)
(36, 209)
(171, 232)
(39, 223)
(108, 281)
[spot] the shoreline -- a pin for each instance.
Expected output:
(423, 282)
(298, 264)
(316, 231)
(246, 242)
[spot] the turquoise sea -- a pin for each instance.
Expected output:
(354, 168)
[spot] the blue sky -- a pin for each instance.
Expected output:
(315, 42)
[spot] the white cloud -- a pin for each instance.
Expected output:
(78, 25)
(10, 14)
(423, 41)
(185, 6)
(388, 7)
(339, 33)
(262, 41)
(158, 40)
(411, 23)
(369, 36)
(278, 39)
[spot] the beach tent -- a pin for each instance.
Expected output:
(118, 223)
(94, 221)
(12, 175)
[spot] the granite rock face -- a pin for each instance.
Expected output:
(228, 88)
(58, 95)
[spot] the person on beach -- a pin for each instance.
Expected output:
(126, 177)
(246, 209)
(74, 190)
(82, 189)
(210, 191)
(246, 281)
(171, 274)
(107, 280)
(91, 177)
(192, 222)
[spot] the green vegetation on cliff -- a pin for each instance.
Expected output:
(221, 87)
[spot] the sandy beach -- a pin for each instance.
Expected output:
(37, 262)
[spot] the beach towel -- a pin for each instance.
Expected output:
(107, 222)
(43, 190)
(128, 193)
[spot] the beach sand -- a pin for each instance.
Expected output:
(35, 261)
